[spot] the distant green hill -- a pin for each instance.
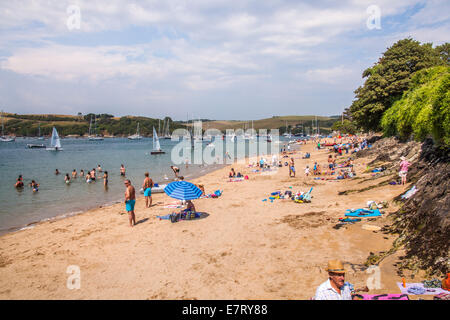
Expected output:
(27, 125)
(277, 122)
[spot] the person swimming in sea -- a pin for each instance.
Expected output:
(122, 170)
(56, 171)
(99, 168)
(105, 179)
(19, 184)
(67, 178)
(34, 185)
(92, 174)
(176, 171)
(88, 178)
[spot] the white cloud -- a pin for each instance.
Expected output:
(202, 46)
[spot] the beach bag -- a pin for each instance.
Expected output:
(175, 217)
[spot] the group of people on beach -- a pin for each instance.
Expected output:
(148, 184)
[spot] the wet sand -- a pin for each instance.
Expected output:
(242, 248)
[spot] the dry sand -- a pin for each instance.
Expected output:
(243, 249)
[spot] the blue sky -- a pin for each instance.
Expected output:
(209, 59)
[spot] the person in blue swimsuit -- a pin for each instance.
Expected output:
(130, 201)
(147, 186)
(34, 185)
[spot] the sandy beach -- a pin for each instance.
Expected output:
(243, 248)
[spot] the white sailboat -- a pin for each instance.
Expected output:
(136, 136)
(55, 142)
(4, 138)
(156, 145)
(167, 132)
(39, 133)
(95, 137)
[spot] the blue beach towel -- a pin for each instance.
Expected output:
(363, 213)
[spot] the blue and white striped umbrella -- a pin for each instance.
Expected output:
(183, 190)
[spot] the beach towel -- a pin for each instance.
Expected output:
(385, 296)
(175, 217)
(363, 213)
(408, 194)
(166, 217)
(348, 220)
(173, 206)
(418, 288)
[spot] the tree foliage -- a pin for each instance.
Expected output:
(390, 77)
(27, 125)
(424, 109)
(345, 126)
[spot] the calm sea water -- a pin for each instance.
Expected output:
(55, 198)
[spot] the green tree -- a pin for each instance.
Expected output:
(345, 126)
(388, 79)
(424, 109)
(444, 53)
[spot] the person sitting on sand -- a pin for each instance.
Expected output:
(232, 174)
(201, 187)
(335, 288)
(190, 207)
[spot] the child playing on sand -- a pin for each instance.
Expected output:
(307, 171)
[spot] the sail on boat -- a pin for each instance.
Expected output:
(136, 136)
(4, 138)
(55, 142)
(156, 145)
(39, 132)
(95, 137)
(167, 131)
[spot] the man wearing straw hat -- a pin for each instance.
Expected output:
(335, 288)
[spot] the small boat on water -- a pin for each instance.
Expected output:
(35, 146)
(55, 142)
(95, 137)
(156, 145)
(136, 136)
(4, 138)
(39, 137)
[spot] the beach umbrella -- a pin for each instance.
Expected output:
(183, 190)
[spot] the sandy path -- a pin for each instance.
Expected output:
(244, 249)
